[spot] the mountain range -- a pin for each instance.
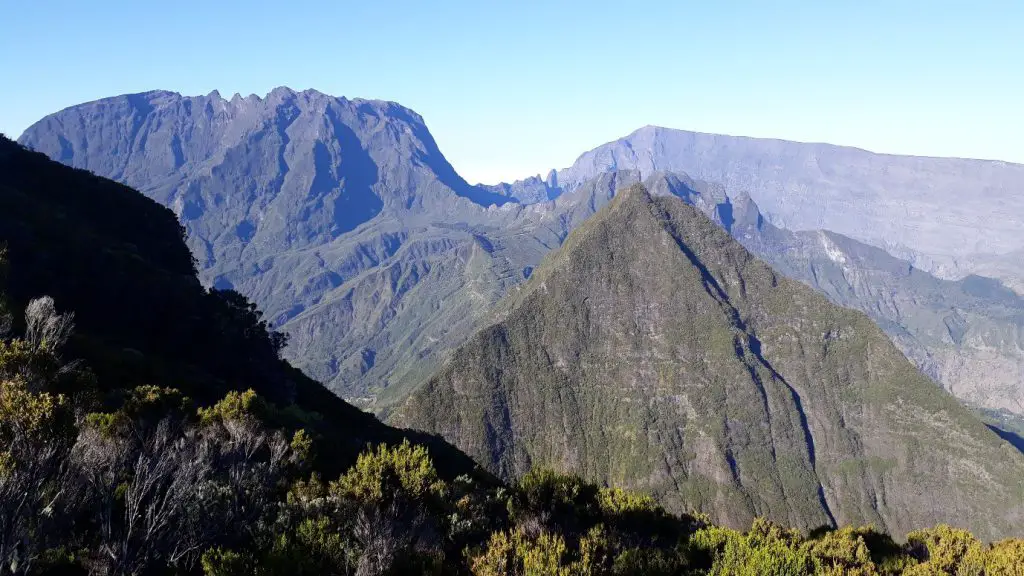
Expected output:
(382, 215)
(622, 319)
(948, 216)
(344, 221)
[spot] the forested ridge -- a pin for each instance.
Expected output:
(149, 426)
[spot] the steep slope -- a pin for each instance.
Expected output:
(966, 334)
(118, 261)
(653, 351)
(312, 205)
(948, 216)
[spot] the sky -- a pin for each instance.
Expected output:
(513, 89)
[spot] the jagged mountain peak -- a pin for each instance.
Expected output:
(277, 94)
(291, 168)
(133, 118)
(295, 196)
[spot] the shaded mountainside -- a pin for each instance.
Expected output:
(948, 216)
(118, 261)
(653, 351)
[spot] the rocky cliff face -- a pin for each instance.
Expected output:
(966, 334)
(948, 216)
(653, 351)
(341, 218)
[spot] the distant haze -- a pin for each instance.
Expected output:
(517, 89)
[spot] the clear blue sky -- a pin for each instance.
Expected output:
(511, 89)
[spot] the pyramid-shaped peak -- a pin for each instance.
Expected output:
(632, 203)
(636, 192)
(633, 194)
(652, 336)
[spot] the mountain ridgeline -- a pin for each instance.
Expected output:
(343, 221)
(340, 218)
(948, 216)
(653, 351)
(967, 334)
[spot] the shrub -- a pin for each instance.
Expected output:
(517, 554)
(619, 501)
(235, 406)
(946, 550)
(1005, 558)
(841, 552)
(380, 475)
(561, 501)
(220, 562)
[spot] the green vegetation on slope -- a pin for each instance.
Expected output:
(156, 488)
(653, 352)
(123, 401)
